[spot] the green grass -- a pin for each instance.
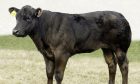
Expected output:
(28, 67)
(14, 43)
(134, 51)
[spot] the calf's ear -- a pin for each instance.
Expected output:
(38, 12)
(13, 11)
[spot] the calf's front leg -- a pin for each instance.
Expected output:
(49, 70)
(61, 59)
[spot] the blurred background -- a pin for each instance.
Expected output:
(129, 8)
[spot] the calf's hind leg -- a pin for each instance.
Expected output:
(123, 64)
(111, 61)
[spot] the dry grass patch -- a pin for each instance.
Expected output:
(27, 67)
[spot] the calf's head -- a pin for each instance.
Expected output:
(26, 18)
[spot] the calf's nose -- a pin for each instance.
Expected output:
(15, 32)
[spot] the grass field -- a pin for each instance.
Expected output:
(23, 64)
